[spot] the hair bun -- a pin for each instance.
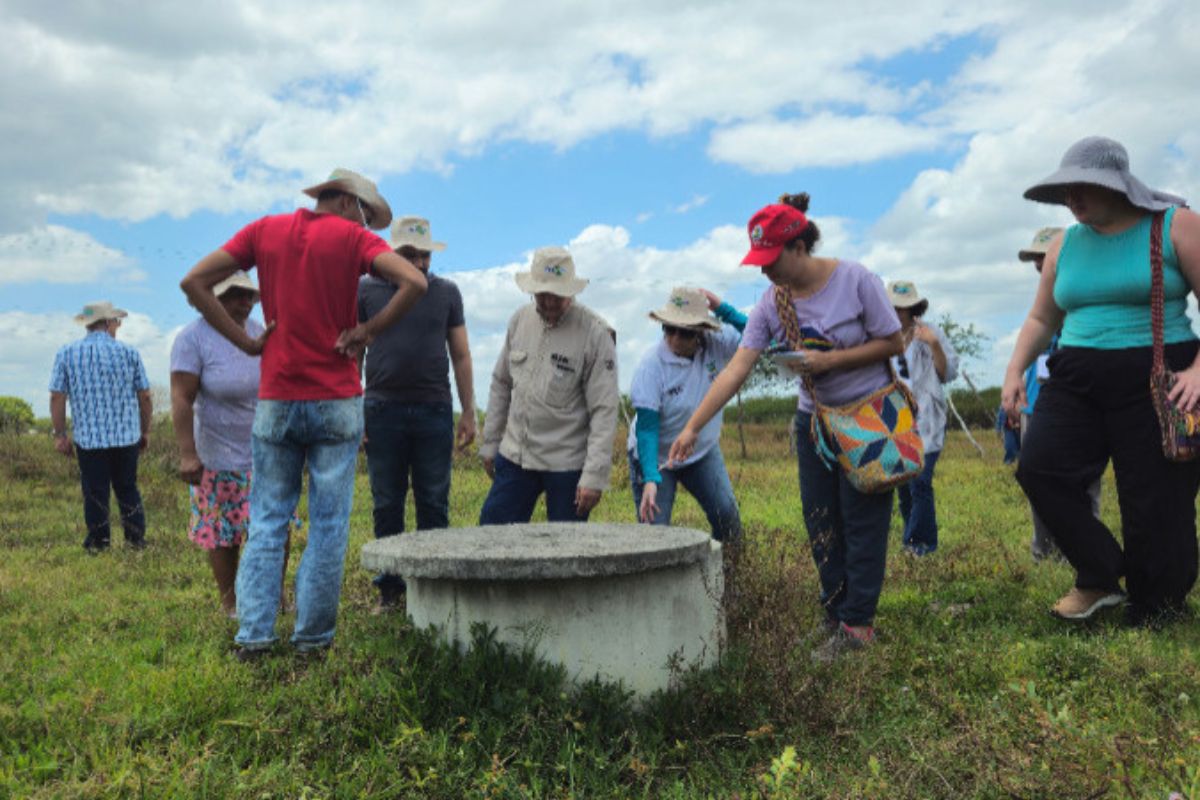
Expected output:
(799, 201)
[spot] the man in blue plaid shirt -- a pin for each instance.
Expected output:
(106, 384)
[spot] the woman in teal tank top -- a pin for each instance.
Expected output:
(1096, 406)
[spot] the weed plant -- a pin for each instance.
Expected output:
(117, 677)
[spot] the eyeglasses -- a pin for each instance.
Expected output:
(413, 254)
(682, 333)
(902, 366)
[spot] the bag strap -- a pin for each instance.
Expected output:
(1156, 292)
(791, 330)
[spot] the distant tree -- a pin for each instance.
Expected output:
(967, 340)
(765, 378)
(16, 415)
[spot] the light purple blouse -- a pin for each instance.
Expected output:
(224, 409)
(850, 309)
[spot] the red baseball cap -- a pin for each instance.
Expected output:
(770, 229)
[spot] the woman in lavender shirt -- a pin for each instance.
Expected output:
(850, 331)
(214, 391)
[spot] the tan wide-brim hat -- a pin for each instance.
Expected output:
(904, 294)
(414, 232)
(552, 271)
(1040, 245)
(100, 311)
(344, 180)
(686, 308)
(238, 280)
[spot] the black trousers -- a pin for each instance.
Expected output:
(100, 470)
(1095, 407)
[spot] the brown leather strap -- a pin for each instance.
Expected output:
(1156, 292)
(791, 330)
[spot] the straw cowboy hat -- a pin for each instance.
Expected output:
(552, 270)
(344, 180)
(1100, 162)
(686, 308)
(904, 294)
(98, 312)
(1039, 246)
(414, 232)
(238, 280)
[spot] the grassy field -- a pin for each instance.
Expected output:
(117, 679)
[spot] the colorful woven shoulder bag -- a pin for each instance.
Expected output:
(1180, 429)
(874, 440)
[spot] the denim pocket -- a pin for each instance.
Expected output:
(271, 420)
(339, 420)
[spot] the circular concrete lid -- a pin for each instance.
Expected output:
(537, 551)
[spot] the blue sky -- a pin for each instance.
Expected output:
(641, 135)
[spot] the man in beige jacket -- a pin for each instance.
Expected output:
(552, 409)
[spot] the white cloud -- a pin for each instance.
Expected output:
(626, 281)
(54, 254)
(31, 341)
(232, 108)
(821, 140)
(695, 202)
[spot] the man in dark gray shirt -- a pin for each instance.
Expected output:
(407, 406)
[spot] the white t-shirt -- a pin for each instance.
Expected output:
(674, 386)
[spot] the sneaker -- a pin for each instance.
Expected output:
(311, 652)
(248, 655)
(136, 544)
(844, 640)
(1080, 604)
(1137, 615)
(390, 601)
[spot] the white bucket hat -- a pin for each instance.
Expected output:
(414, 232)
(1100, 162)
(1039, 245)
(238, 280)
(552, 270)
(344, 180)
(904, 294)
(100, 311)
(686, 308)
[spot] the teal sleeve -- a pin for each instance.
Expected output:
(647, 444)
(730, 315)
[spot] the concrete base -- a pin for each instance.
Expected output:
(627, 628)
(627, 603)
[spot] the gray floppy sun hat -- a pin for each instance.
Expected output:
(1100, 161)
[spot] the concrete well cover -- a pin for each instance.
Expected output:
(536, 551)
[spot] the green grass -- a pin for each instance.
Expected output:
(116, 675)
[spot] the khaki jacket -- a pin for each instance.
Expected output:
(554, 397)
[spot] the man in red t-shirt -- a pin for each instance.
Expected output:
(310, 395)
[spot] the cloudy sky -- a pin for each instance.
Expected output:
(137, 137)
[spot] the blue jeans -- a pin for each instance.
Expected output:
(708, 482)
(515, 491)
(918, 511)
(847, 531)
(112, 468)
(287, 434)
(404, 438)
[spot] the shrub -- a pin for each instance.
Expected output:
(16, 415)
